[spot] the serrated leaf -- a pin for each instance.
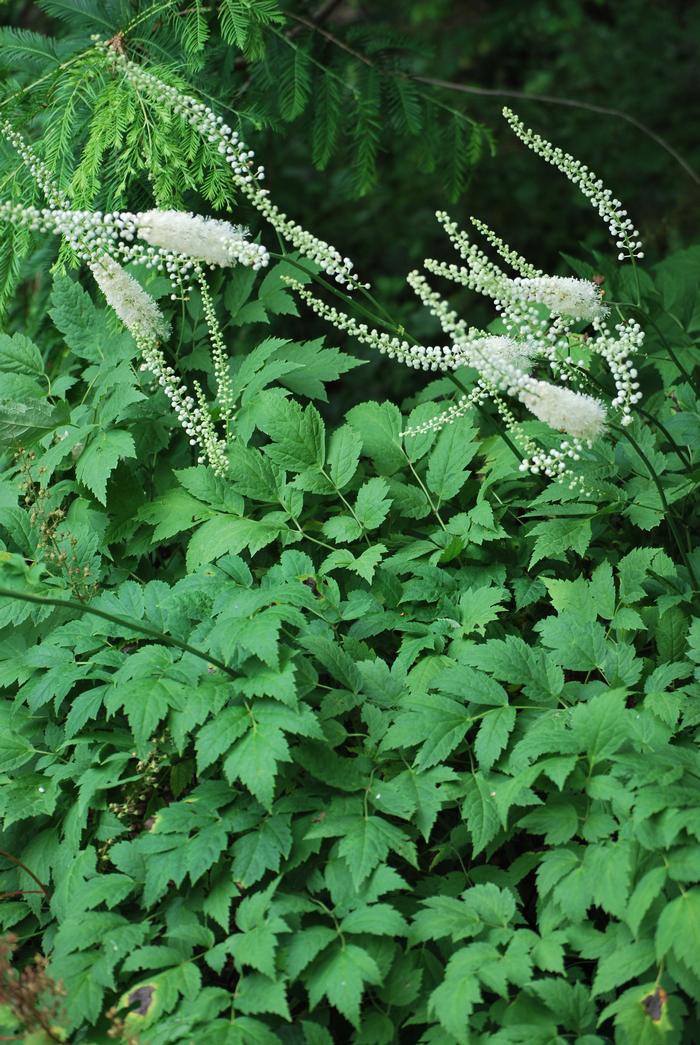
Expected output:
(495, 728)
(341, 975)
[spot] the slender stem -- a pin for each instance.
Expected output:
(572, 103)
(667, 508)
(144, 629)
(424, 488)
(679, 450)
(347, 504)
(18, 862)
(333, 290)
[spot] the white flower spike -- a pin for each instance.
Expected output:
(204, 239)
(137, 310)
(575, 413)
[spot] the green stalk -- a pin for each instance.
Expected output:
(667, 508)
(144, 629)
(382, 323)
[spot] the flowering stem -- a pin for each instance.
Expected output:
(392, 326)
(679, 450)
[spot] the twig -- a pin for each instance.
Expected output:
(18, 862)
(114, 618)
(603, 110)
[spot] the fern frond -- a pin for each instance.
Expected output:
(14, 245)
(241, 23)
(71, 103)
(192, 27)
(27, 50)
(455, 150)
(294, 82)
(87, 14)
(405, 104)
(366, 130)
(326, 120)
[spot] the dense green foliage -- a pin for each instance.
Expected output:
(377, 739)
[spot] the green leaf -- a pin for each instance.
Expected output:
(678, 928)
(343, 455)
(447, 471)
(19, 355)
(602, 725)
(100, 457)
(298, 437)
(557, 536)
(341, 975)
(480, 812)
(254, 760)
(454, 1000)
(379, 427)
(372, 505)
(576, 644)
(225, 534)
(25, 423)
(479, 607)
(624, 965)
(317, 366)
(495, 728)
(364, 565)
(378, 919)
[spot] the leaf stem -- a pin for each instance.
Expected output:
(667, 508)
(18, 862)
(144, 629)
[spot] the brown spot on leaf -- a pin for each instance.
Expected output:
(654, 1004)
(142, 996)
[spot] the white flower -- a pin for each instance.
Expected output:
(206, 239)
(137, 310)
(563, 296)
(502, 353)
(577, 414)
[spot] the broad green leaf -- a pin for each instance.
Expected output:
(341, 975)
(100, 457)
(447, 466)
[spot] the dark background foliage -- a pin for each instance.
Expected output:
(637, 60)
(573, 620)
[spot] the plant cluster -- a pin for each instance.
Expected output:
(370, 728)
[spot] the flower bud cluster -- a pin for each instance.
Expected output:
(222, 373)
(556, 464)
(458, 409)
(618, 351)
(516, 261)
(419, 357)
(36, 167)
(192, 414)
(608, 207)
(241, 160)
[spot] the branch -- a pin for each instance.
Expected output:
(18, 862)
(144, 629)
(497, 92)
